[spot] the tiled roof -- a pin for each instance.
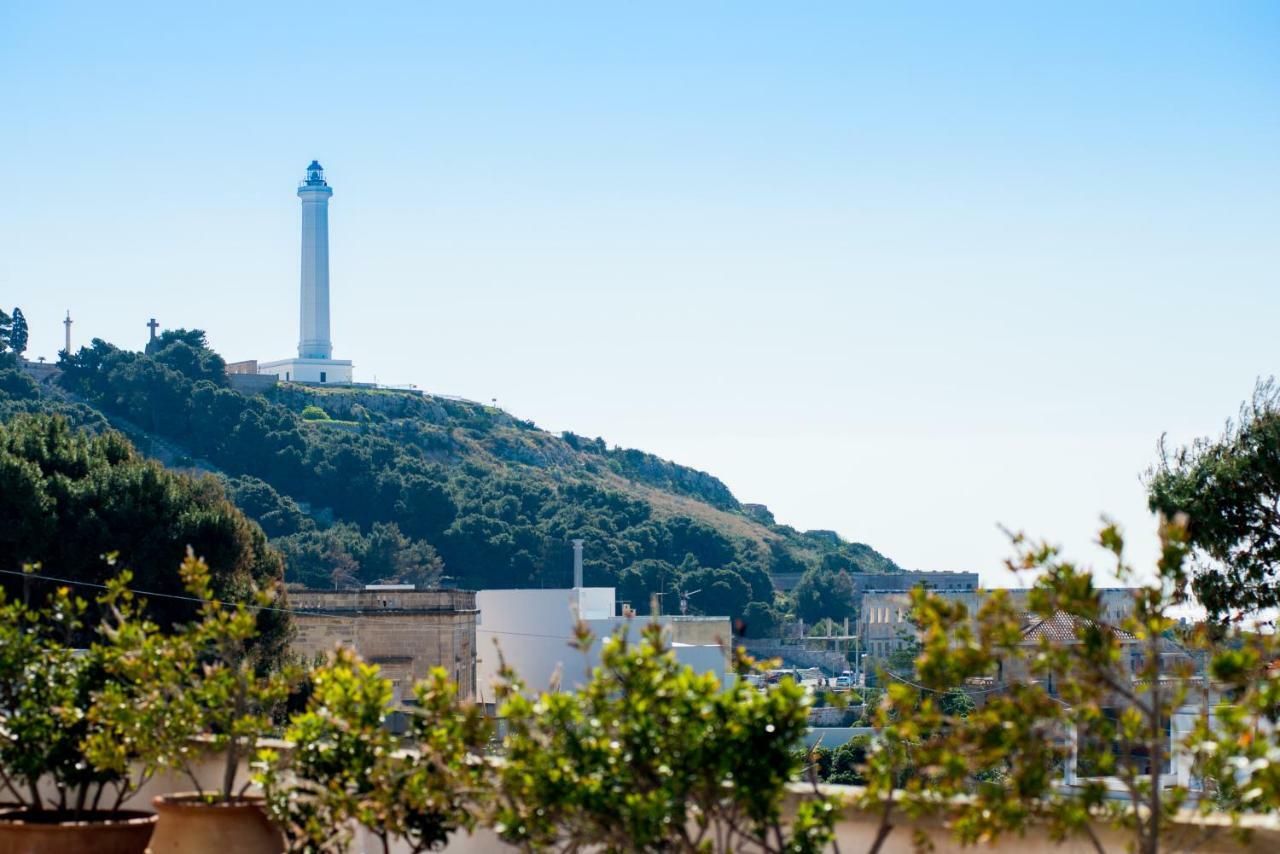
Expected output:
(1060, 628)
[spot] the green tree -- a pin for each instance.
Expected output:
(18, 333)
(720, 592)
(68, 498)
(759, 620)
(1085, 700)
(823, 593)
(638, 583)
(1229, 490)
(323, 559)
(195, 363)
(6, 330)
(389, 557)
(194, 338)
(279, 515)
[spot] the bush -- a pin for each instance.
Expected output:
(346, 766)
(50, 704)
(849, 760)
(759, 620)
(315, 413)
(208, 677)
(650, 756)
(17, 385)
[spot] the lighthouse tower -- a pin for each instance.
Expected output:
(315, 362)
(313, 337)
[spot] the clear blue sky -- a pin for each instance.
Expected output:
(905, 271)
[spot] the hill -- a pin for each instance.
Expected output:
(358, 485)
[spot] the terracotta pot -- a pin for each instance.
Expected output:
(191, 826)
(50, 832)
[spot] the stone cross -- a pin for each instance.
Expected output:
(152, 325)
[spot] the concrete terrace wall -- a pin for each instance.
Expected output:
(856, 828)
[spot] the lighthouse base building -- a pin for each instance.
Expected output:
(325, 371)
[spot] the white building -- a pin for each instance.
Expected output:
(533, 631)
(315, 362)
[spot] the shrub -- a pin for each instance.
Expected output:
(1089, 697)
(207, 678)
(48, 693)
(651, 756)
(346, 766)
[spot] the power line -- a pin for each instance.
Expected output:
(149, 593)
(904, 680)
(198, 600)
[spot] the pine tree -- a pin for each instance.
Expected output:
(18, 333)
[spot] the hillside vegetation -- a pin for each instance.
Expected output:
(364, 485)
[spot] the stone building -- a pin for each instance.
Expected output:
(884, 624)
(866, 582)
(405, 631)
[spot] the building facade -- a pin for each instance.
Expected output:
(406, 632)
(909, 580)
(884, 617)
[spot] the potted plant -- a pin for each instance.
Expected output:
(64, 802)
(650, 755)
(347, 768)
(203, 691)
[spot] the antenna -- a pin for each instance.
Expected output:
(684, 601)
(577, 563)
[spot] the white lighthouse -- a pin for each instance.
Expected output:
(315, 362)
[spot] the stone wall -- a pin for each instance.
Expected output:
(43, 373)
(702, 631)
(252, 383)
(405, 632)
(796, 655)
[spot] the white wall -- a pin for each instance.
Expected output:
(534, 631)
(309, 370)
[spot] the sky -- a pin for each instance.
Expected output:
(911, 272)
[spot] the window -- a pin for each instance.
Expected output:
(286, 376)
(322, 375)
